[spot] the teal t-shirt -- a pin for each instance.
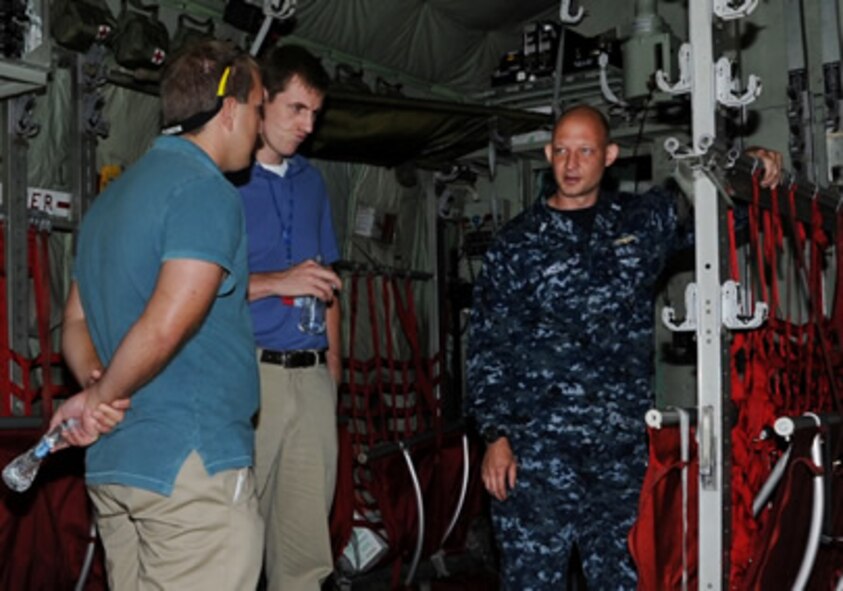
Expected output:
(174, 203)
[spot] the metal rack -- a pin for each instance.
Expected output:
(30, 72)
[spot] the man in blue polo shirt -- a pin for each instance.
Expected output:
(288, 222)
(158, 309)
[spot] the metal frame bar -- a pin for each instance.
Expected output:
(713, 547)
(14, 150)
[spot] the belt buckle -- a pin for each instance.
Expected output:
(314, 359)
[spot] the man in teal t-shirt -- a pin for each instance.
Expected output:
(157, 312)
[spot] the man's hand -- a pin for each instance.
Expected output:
(772, 163)
(499, 468)
(93, 418)
(306, 278)
(309, 278)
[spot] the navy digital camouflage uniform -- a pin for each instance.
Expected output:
(561, 359)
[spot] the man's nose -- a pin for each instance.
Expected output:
(307, 123)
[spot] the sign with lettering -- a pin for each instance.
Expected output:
(54, 203)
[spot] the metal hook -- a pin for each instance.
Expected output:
(734, 308)
(683, 85)
(725, 10)
(566, 16)
(608, 94)
(689, 324)
(727, 86)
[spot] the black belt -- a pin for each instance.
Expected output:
(293, 359)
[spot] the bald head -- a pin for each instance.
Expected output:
(589, 115)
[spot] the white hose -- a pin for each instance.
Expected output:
(816, 514)
(89, 558)
(463, 491)
(770, 484)
(420, 507)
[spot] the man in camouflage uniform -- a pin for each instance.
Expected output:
(561, 358)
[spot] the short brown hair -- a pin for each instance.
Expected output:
(191, 78)
(283, 62)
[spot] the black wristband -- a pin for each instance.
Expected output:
(492, 434)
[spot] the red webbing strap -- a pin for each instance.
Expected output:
(827, 391)
(376, 352)
(407, 316)
(755, 237)
(750, 373)
(773, 236)
(734, 272)
(5, 352)
(40, 268)
(656, 538)
(410, 386)
(799, 389)
(393, 409)
(354, 436)
(819, 243)
(427, 383)
(813, 342)
(352, 361)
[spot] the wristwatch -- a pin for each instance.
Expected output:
(492, 434)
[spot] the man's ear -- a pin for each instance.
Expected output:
(229, 107)
(612, 151)
(548, 152)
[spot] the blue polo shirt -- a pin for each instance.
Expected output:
(288, 220)
(174, 203)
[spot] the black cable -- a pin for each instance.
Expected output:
(640, 137)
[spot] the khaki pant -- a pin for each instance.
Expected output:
(206, 535)
(295, 469)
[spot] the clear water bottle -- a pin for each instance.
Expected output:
(21, 472)
(312, 319)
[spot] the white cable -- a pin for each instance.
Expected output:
(411, 573)
(463, 491)
(89, 558)
(815, 532)
(770, 484)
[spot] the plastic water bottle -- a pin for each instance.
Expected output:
(312, 319)
(20, 472)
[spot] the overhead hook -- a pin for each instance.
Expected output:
(566, 16)
(725, 9)
(683, 85)
(727, 86)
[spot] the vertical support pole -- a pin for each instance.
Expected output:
(84, 165)
(437, 283)
(713, 549)
(15, 183)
